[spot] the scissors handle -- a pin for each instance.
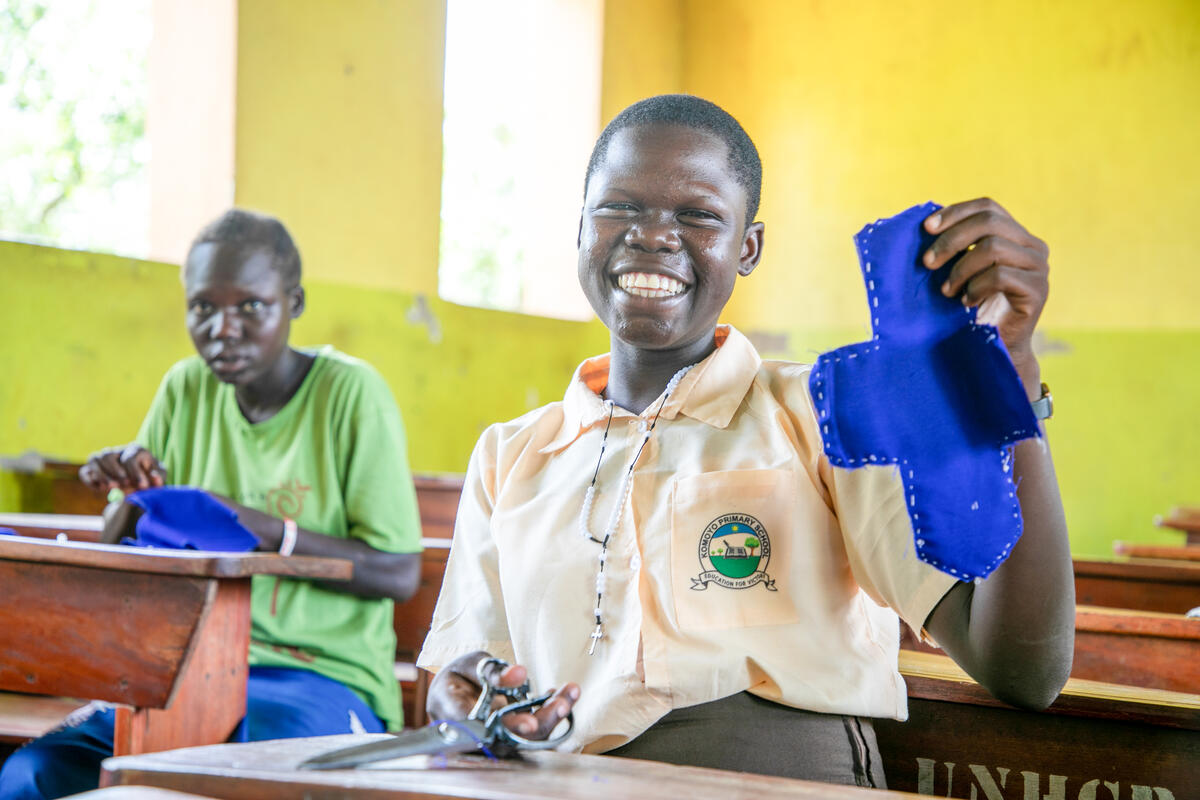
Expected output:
(504, 741)
(501, 734)
(488, 690)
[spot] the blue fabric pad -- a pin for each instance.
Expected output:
(188, 519)
(934, 393)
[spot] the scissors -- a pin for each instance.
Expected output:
(482, 731)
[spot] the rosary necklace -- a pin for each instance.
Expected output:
(614, 519)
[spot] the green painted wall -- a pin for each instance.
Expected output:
(86, 338)
(339, 133)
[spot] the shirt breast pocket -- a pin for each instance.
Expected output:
(731, 549)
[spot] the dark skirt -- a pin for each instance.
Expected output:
(748, 734)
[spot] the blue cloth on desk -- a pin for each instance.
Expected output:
(184, 518)
(7, 532)
(934, 393)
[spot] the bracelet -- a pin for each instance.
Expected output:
(288, 544)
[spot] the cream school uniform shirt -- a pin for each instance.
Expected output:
(742, 561)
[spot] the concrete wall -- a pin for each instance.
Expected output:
(1080, 117)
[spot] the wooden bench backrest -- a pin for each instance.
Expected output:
(437, 498)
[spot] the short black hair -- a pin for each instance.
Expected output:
(242, 227)
(693, 112)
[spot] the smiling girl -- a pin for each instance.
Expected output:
(583, 548)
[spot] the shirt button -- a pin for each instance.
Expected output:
(635, 562)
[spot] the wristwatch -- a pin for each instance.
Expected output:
(1043, 407)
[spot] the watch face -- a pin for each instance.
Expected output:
(1043, 407)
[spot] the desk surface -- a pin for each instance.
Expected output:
(267, 770)
(194, 563)
(78, 522)
(937, 677)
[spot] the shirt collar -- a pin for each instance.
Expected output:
(710, 392)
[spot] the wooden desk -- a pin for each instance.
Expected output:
(76, 527)
(53, 486)
(135, 793)
(264, 770)
(165, 633)
(1183, 518)
(1134, 648)
(1171, 587)
(1138, 648)
(1161, 552)
(960, 742)
(438, 500)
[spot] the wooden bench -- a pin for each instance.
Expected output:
(161, 633)
(1134, 648)
(1097, 740)
(437, 499)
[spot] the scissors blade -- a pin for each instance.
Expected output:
(445, 738)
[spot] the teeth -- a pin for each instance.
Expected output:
(645, 284)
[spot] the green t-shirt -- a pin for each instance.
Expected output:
(333, 459)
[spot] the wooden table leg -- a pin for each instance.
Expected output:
(210, 698)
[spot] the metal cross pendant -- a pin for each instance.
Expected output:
(597, 635)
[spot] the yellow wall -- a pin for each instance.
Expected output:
(1081, 117)
(339, 133)
(643, 51)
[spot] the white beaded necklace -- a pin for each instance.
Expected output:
(614, 519)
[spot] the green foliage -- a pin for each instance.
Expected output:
(480, 252)
(73, 87)
(751, 543)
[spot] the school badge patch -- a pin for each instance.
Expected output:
(734, 553)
